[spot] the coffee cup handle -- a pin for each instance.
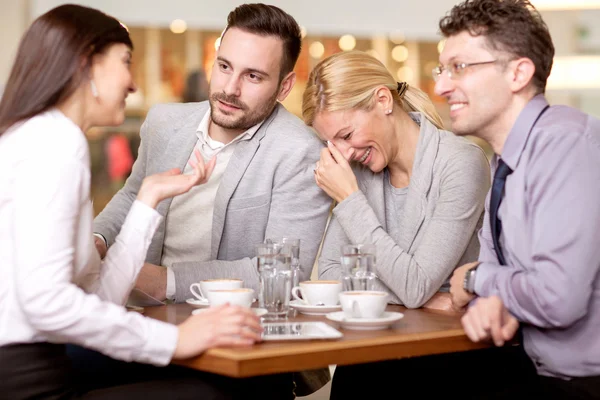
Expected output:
(295, 291)
(197, 294)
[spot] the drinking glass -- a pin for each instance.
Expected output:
(294, 249)
(358, 266)
(275, 279)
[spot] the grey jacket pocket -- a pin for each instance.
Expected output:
(241, 203)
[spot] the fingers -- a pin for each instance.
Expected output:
(171, 172)
(496, 327)
(210, 167)
(326, 157)
(480, 322)
(467, 324)
(199, 157)
(202, 172)
(510, 327)
(236, 320)
(335, 153)
(233, 341)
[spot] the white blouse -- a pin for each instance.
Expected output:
(53, 285)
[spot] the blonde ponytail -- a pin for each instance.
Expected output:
(415, 99)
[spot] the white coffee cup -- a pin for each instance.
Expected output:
(318, 293)
(240, 297)
(363, 303)
(200, 289)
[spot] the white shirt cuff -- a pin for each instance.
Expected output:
(170, 284)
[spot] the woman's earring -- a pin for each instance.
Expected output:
(94, 89)
(388, 112)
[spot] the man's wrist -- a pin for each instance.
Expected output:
(469, 280)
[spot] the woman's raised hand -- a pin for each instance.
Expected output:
(158, 187)
(334, 175)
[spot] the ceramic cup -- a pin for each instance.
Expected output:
(200, 289)
(318, 293)
(240, 297)
(363, 303)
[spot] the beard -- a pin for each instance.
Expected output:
(249, 116)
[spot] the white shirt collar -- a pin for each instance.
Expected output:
(209, 145)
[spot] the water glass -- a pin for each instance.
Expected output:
(358, 266)
(275, 279)
(294, 249)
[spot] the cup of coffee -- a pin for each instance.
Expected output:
(318, 293)
(363, 303)
(239, 297)
(200, 289)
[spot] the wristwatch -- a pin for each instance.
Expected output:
(469, 282)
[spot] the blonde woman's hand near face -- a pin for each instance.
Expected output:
(222, 326)
(334, 174)
(158, 187)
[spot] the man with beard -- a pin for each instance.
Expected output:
(261, 156)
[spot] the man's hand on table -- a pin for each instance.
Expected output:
(489, 319)
(153, 281)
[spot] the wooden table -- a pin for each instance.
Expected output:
(420, 332)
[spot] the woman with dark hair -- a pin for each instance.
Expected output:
(72, 72)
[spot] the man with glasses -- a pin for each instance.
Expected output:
(539, 266)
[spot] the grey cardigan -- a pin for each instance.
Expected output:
(267, 190)
(442, 214)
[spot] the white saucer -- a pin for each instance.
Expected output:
(313, 310)
(197, 303)
(366, 324)
(258, 311)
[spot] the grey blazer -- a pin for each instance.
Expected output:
(442, 214)
(267, 190)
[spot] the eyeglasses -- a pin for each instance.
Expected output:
(456, 70)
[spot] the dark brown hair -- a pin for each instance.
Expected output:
(513, 26)
(53, 59)
(267, 20)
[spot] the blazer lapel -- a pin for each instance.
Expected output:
(241, 158)
(176, 155)
(180, 151)
(243, 154)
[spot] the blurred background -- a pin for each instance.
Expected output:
(175, 43)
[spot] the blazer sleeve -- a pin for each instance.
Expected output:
(415, 277)
(110, 220)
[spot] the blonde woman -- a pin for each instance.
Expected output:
(414, 190)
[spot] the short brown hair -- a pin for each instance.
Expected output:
(268, 20)
(514, 26)
(53, 59)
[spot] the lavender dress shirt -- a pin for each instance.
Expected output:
(550, 238)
